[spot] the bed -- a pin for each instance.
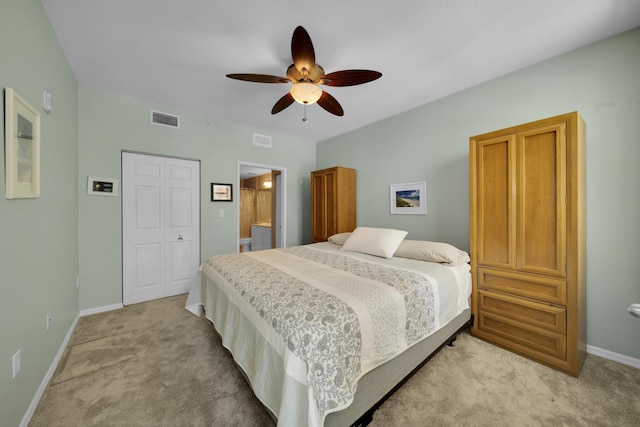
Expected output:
(325, 332)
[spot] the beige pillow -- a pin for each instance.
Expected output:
(339, 239)
(381, 242)
(432, 252)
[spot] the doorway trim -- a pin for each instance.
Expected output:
(283, 202)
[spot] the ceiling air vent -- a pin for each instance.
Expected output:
(164, 119)
(261, 140)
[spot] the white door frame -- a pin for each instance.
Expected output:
(283, 201)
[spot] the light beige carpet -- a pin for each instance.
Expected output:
(156, 364)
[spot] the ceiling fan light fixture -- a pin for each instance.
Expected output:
(306, 93)
(306, 75)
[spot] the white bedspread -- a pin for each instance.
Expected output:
(330, 316)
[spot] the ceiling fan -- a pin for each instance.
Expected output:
(306, 77)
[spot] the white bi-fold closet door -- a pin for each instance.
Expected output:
(160, 226)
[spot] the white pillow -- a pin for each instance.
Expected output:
(339, 239)
(381, 242)
(432, 252)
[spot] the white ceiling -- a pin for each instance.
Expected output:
(177, 52)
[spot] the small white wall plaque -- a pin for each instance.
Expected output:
(97, 186)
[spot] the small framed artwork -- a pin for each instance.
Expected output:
(97, 186)
(221, 192)
(22, 148)
(409, 198)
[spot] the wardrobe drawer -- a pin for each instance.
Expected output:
(543, 316)
(526, 285)
(521, 337)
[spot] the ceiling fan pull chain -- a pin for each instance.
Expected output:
(304, 119)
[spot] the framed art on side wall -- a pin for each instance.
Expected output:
(409, 198)
(221, 192)
(22, 148)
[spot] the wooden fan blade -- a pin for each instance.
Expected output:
(350, 77)
(282, 103)
(330, 104)
(258, 78)
(304, 57)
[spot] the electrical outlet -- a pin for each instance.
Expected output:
(16, 363)
(49, 320)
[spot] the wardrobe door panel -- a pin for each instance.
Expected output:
(542, 209)
(333, 202)
(496, 202)
(318, 207)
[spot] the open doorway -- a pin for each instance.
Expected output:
(261, 206)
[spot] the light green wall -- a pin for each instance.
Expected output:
(110, 123)
(602, 82)
(39, 249)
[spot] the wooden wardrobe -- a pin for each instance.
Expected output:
(527, 240)
(333, 202)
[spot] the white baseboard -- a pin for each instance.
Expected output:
(101, 309)
(616, 357)
(45, 381)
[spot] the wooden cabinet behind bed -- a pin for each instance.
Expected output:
(527, 235)
(333, 202)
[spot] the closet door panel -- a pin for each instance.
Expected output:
(160, 226)
(142, 228)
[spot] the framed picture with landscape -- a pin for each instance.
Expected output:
(409, 198)
(22, 147)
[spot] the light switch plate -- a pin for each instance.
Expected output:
(47, 101)
(16, 363)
